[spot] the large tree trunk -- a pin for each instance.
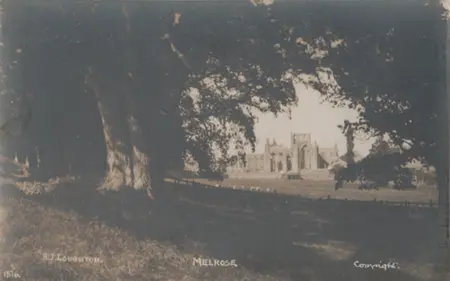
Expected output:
(126, 164)
(139, 159)
(136, 141)
(115, 130)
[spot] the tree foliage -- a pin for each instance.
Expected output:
(383, 164)
(234, 61)
(390, 68)
(198, 72)
(381, 147)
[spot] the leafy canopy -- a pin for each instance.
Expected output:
(201, 70)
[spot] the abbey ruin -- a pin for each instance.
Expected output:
(302, 154)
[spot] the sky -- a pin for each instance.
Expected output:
(310, 116)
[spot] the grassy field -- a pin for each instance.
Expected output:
(62, 236)
(322, 189)
(122, 235)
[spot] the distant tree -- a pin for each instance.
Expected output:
(381, 147)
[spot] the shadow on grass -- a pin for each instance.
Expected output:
(278, 235)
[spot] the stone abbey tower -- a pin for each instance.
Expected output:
(302, 154)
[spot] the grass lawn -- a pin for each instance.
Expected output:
(123, 236)
(321, 189)
(91, 250)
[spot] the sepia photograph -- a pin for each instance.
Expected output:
(239, 140)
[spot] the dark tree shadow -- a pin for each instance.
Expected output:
(280, 235)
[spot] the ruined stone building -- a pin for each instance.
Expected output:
(302, 154)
